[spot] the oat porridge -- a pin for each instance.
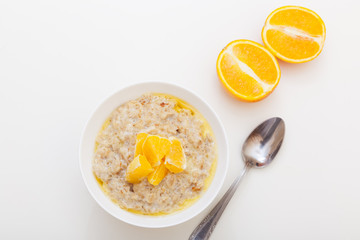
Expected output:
(160, 115)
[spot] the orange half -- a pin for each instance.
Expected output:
(248, 70)
(294, 34)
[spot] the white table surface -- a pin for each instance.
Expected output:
(59, 59)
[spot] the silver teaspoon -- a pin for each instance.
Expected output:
(258, 151)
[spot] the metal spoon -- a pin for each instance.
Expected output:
(258, 151)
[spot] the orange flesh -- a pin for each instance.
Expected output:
(262, 64)
(237, 79)
(175, 161)
(138, 169)
(140, 139)
(298, 19)
(157, 175)
(294, 48)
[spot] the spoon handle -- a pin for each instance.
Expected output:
(207, 225)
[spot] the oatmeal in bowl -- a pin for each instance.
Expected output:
(155, 158)
(154, 115)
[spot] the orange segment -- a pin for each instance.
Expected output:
(140, 139)
(175, 161)
(158, 174)
(138, 169)
(294, 34)
(248, 70)
(164, 147)
(155, 148)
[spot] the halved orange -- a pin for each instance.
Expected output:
(138, 169)
(158, 174)
(294, 34)
(175, 161)
(140, 139)
(155, 148)
(248, 70)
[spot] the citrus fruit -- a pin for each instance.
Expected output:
(164, 147)
(138, 169)
(158, 174)
(294, 34)
(175, 161)
(140, 139)
(155, 148)
(248, 70)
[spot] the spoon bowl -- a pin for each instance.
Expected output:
(262, 145)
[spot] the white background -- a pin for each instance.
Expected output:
(59, 59)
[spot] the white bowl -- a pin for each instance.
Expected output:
(101, 114)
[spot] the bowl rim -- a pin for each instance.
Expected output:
(193, 213)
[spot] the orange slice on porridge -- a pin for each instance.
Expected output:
(175, 161)
(138, 169)
(140, 139)
(164, 147)
(248, 70)
(157, 175)
(155, 148)
(294, 34)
